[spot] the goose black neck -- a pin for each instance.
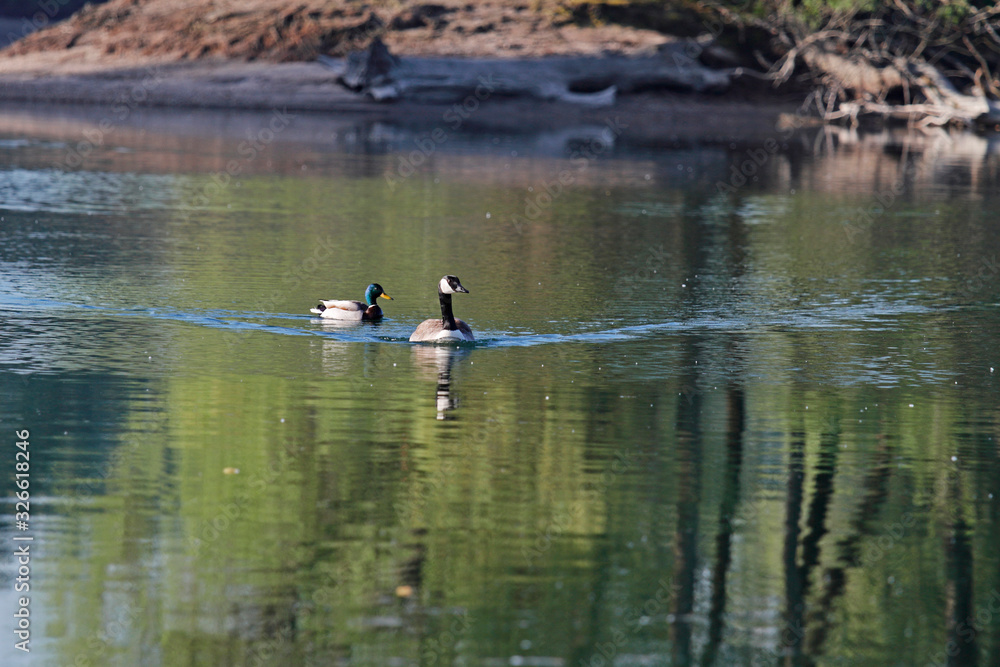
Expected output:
(447, 317)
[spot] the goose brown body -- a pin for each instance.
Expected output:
(447, 328)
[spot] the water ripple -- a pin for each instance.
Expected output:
(89, 192)
(872, 316)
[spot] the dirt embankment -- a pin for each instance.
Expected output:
(902, 62)
(279, 31)
(260, 54)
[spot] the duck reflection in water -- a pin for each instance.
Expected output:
(440, 359)
(331, 324)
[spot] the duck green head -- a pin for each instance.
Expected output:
(373, 292)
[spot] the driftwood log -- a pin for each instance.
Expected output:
(857, 87)
(901, 60)
(581, 80)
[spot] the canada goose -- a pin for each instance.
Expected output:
(448, 328)
(353, 310)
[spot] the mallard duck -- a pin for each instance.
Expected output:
(448, 328)
(353, 310)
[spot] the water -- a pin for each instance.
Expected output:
(700, 425)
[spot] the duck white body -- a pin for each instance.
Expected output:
(343, 310)
(350, 310)
(447, 328)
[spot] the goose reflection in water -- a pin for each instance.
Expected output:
(440, 359)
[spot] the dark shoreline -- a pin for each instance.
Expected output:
(651, 119)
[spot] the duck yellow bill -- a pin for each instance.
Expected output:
(385, 296)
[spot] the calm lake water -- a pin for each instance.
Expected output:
(709, 419)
